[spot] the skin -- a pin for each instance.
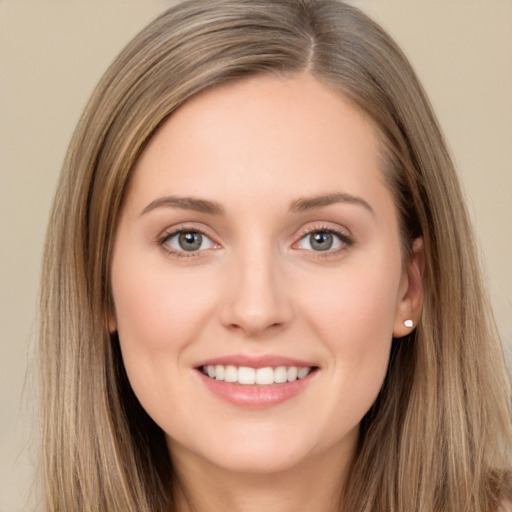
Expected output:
(258, 287)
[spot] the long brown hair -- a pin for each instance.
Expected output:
(438, 436)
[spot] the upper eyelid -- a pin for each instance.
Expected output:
(322, 226)
(343, 234)
(185, 227)
(304, 231)
(170, 233)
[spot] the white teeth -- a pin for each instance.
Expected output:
(292, 373)
(303, 372)
(265, 376)
(219, 372)
(246, 375)
(261, 376)
(231, 374)
(280, 375)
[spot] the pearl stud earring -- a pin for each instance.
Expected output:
(409, 323)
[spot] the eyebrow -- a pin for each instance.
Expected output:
(185, 203)
(300, 205)
(305, 204)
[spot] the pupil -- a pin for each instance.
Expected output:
(190, 241)
(321, 241)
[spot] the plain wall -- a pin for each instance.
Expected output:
(53, 52)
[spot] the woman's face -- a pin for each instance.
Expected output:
(257, 276)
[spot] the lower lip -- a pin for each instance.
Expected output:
(256, 396)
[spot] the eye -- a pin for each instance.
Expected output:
(187, 241)
(323, 240)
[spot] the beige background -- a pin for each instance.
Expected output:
(53, 52)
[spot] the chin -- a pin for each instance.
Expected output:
(258, 451)
(257, 460)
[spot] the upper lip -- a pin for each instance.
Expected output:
(255, 361)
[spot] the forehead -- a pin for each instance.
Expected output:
(264, 132)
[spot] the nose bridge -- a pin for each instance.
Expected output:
(256, 297)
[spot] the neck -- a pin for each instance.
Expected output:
(315, 484)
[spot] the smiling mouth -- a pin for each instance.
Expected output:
(248, 376)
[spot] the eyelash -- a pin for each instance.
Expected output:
(168, 235)
(342, 236)
(345, 240)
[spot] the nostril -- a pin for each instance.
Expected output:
(253, 303)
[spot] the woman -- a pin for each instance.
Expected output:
(260, 285)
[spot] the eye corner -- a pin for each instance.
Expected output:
(329, 242)
(185, 242)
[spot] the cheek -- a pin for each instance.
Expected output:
(158, 314)
(356, 302)
(157, 308)
(353, 315)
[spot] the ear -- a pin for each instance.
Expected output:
(110, 318)
(112, 324)
(410, 297)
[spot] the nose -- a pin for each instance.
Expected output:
(256, 298)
